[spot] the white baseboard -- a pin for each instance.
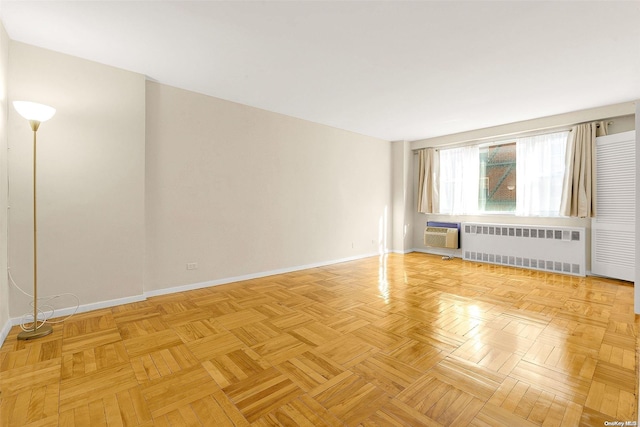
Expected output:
(5, 331)
(63, 312)
(406, 251)
(126, 300)
(92, 306)
(226, 280)
(437, 251)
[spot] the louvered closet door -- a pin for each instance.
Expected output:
(613, 229)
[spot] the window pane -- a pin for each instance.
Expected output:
(497, 178)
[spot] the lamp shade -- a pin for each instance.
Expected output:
(34, 111)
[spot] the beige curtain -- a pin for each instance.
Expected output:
(428, 181)
(579, 185)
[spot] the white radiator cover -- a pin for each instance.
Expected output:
(545, 248)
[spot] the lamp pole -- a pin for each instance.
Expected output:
(35, 113)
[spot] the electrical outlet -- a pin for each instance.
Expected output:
(192, 266)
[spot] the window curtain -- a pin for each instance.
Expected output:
(578, 189)
(540, 164)
(428, 198)
(459, 180)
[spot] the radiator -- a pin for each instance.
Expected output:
(553, 249)
(441, 237)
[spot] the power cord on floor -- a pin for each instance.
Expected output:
(27, 322)
(449, 257)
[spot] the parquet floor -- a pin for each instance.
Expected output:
(400, 340)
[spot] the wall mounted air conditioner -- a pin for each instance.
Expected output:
(441, 237)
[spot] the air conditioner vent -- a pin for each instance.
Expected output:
(441, 237)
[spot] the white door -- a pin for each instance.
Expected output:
(613, 229)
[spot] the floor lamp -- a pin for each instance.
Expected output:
(36, 114)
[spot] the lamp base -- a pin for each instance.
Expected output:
(42, 331)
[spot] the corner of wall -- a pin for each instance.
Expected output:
(5, 325)
(401, 196)
(636, 288)
(91, 200)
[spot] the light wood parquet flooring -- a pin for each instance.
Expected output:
(397, 340)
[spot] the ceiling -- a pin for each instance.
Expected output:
(390, 69)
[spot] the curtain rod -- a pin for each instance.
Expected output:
(498, 138)
(609, 123)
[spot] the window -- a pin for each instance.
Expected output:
(497, 178)
(521, 176)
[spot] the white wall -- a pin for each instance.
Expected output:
(243, 191)
(4, 289)
(623, 120)
(90, 178)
